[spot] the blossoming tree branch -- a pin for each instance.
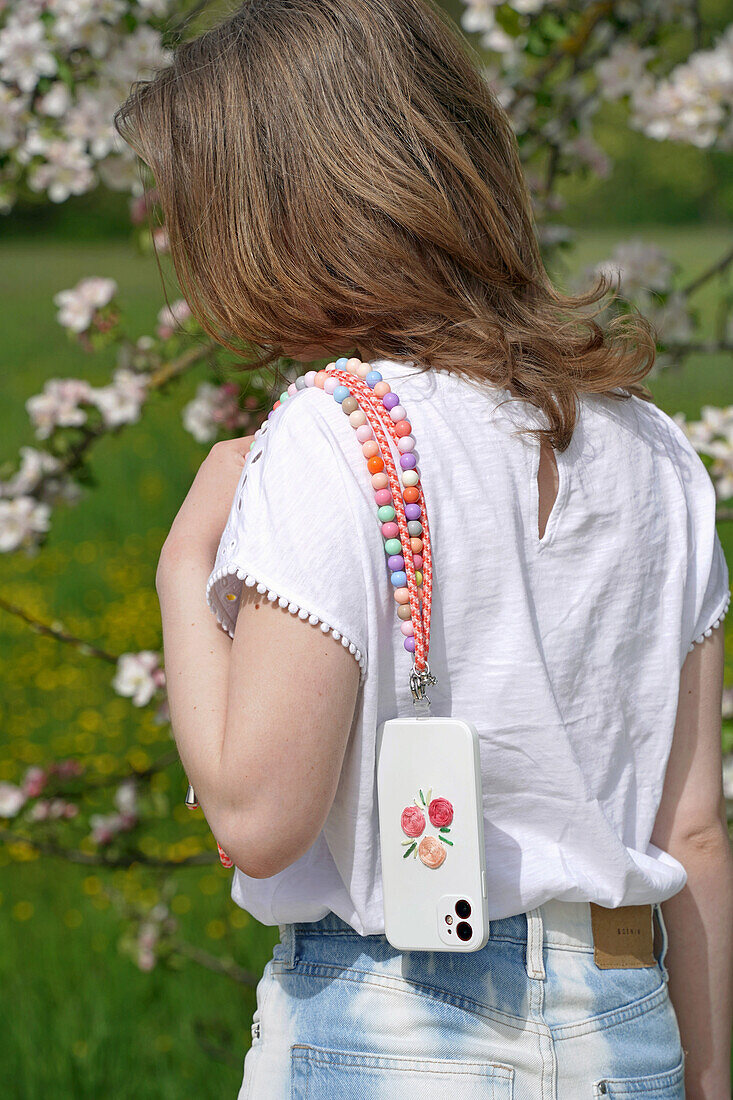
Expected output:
(65, 65)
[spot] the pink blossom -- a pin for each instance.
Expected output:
(34, 781)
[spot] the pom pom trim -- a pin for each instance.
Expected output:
(237, 577)
(706, 633)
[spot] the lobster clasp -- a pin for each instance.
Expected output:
(419, 680)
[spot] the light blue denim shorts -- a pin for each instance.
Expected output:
(528, 1017)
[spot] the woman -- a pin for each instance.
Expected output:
(336, 176)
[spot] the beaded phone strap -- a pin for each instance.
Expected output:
(376, 414)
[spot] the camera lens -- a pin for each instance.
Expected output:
(463, 908)
(464, 931)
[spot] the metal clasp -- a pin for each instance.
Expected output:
(419, 680)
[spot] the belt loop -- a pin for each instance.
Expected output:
(285, 950)
(657, 906)
(535, 939)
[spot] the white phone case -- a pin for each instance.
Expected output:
(431, 833)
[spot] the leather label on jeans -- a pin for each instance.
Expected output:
(623, 937)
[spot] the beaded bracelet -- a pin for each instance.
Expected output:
(375, 413)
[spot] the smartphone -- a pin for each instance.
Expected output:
(431, 834)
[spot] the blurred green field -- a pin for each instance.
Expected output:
(81, 1021)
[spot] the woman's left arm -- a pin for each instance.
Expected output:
(261, 722)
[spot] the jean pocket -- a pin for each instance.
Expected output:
(321, 1074)
(661, 1086)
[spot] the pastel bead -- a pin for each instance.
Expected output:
(386, 512)
(375, 465)
(275, 406)
(392, 546)
(353, 364)
(409, 644)
(403, 428)
(402, 595)
(396, 561)
(330, 384)
(320, 379)
(408, 461)
(414, 527)
(349, 403)
(340, 364)
(341, 392)
(404, 612)
(413, 511)
(416, 545)
(408, 629)
(300, 382)
(397, 413)
(390, 530)
(284, 396)
(410, 477)
(380, 480)
(406, 443)
(310, 377)
(381, 388)
(418, 577)
(390, 400)
(372, 378)
(292, 388)
(357, 418)
(399, 578)
(363, 370)
(364, 433)
(383, 496)
(411, 494)
(417, 561)
(370, 448)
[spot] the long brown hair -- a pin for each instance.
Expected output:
(337, 173)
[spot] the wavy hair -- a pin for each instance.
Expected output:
(338, 173)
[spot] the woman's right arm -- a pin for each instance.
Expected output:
(691, 826)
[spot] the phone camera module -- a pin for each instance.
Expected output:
(464, 930)
(463, 908)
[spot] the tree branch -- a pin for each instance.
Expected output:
(56, 632)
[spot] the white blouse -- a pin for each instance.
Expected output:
(565, 651)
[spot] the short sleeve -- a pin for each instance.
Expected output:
(707, 595)
(292, 531)
(713, 599)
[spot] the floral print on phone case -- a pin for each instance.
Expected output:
(440, 814)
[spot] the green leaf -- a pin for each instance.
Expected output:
(446, 841)
(413, 845)
(445, 828)
(422, 798)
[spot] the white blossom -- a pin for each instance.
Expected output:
(21, 521)
(138, 676)
(126, 798)
(24, 54)
(137, 56)
(34, 466)
(620, 73)
(198, 415)
(121, 401)
(636, 266)
(89, 122)
(56, 102)
(57, 406)
(78, 305)
(12, 800)
(694, 103)
(172, 317)
(66, 171)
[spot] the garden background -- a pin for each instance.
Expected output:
(126, 969)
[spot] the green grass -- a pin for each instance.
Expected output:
(81, 1021)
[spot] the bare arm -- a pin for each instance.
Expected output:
(691, 826)
(261, 723)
